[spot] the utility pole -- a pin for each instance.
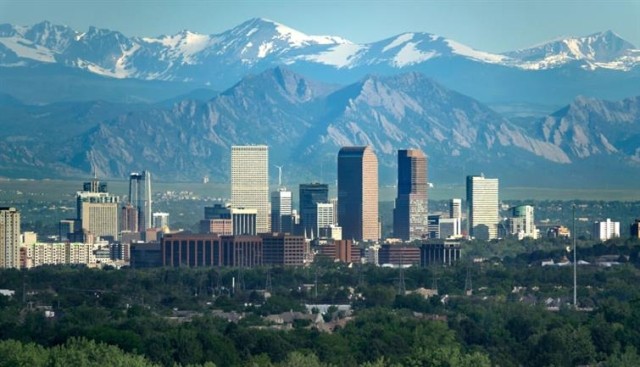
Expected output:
(316, 285)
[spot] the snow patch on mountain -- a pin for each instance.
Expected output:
(341, 56)
(401, 39)
(409, 55)
(28, 50)
(264, 49)
(464, 50)
(298, 39)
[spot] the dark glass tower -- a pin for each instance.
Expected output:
(410, 213)
(310, 195)
(358, 193)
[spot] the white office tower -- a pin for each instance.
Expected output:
(482, 204)
(280, 207)
(452, 227)
(521, 223)
(250, 182)
(160, 220)
(455, 208)
(324, 216)
(606, 230)
(9, 238)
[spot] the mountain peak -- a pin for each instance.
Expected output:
(279, 82)
(266, 29)
(598, 50)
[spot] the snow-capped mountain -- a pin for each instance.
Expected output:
(599, 50)
(403, 50)
(535, 75)
(261, 42)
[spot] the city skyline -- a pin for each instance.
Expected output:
(480, 24)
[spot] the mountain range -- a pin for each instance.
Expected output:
(599, 65)
(73, 103)
(305, 122)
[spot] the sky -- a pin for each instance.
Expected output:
(494, 26)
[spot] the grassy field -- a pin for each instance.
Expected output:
(54, 190)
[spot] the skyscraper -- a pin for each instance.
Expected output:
(140, 199)
(324, 217)
(250, 182)
(410, 213)
(455, 209)
(310, 195)
(97, 209)
(280, 206)
(521, 223)
(160, 220)
(358, 193)
(9, 238)
(482, 203)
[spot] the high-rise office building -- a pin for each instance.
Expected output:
(98, 210)
(9, 238)
(334, 201)
(250, 182)
(358, 193)
(280, 207)
(410, 212)
(455, 208)
(310, 195)
(129, 218)
(482, 202)
(521, 223)
(140, 199)
(160, 220)
(324, 217)
(606, 230)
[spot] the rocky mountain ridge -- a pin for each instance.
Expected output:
(305, 122)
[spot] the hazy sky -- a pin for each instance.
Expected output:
(499, 25)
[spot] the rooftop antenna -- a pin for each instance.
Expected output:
(92, 162)
(279, 175)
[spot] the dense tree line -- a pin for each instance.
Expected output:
(123, 317)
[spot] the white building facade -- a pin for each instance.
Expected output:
(250, 182)
(482, 202)
(606, 230)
